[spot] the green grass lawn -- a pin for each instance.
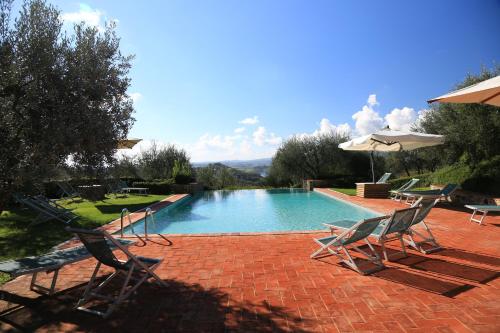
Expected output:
(348, 191)
(17, 240)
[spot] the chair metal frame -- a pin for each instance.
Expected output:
(340, 242)
(134, 266)
(397, 194)
(419, 220)
(397, 225)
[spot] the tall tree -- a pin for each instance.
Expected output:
(60, 95)
(472, 131)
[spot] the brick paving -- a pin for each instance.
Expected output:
(267, 283)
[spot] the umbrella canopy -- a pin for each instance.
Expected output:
(388, 140)
(127, 143)
(485, 92)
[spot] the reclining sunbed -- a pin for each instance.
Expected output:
(444, 193)
(49, 263)
(482, 209)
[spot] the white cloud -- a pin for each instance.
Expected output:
(261, 138)
(135, 96)
(91, 17)
(367, 120)
(239, 130)
(372, 100)
(327, 128)
(249, 121)
(422, 114)
(401, 119)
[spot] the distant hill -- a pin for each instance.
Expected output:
(239, 164)
(258, 166)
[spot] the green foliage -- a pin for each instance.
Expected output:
(157, 186)
(218, 176)
(61, 95)
(315, 157)
(424, 180)
(158, 162)
(348, 191)
(455, 174)
(485, 177)
(471, 130)
(182, 172)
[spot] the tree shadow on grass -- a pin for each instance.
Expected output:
(22, 241)
(178, 307)
(117, 208)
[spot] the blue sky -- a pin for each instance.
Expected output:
(233, 79)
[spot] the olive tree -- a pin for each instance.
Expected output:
(63, 96)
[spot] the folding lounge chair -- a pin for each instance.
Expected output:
(419, 220)
(135, 269)
(344, 240)
(398, 224)
(115, 188)
(393, 227)
(482, 209)
(55, 207)
(51, 262)
(127, 189)
(45, 211)
(384, 178)
(444, 193)
(67, 191)
(397, 194)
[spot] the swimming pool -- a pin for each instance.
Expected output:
(251, 211)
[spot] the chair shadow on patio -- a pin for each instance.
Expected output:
(178, 307)
(470, 256)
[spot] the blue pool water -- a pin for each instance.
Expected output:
(251, 211)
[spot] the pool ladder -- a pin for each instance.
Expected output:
(147, 213)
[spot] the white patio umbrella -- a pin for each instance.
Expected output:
(387, 140)
(127, 143)
(485, 92)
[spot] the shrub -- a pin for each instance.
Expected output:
(424, 180)
(455, 174)
(181, 172)
(157, 186)
(485, 178)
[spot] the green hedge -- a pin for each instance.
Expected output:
(157, 186)
(425, 180)
(454, 174)
(485, 178)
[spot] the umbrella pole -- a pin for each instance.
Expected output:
(371, 162)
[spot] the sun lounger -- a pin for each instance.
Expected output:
(136, 269)
(384, 178)
(419, 221)
(393, 227)
(67, 191)
(485, 209)
(125, 188)
(444, 193)
(397, 194)
(344, 240)
(45, 210)
(49, 263)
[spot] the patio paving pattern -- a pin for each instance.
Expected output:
(268, 283)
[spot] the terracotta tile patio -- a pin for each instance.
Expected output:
(267, 283)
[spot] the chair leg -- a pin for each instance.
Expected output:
(86, 293)
(417, 245)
